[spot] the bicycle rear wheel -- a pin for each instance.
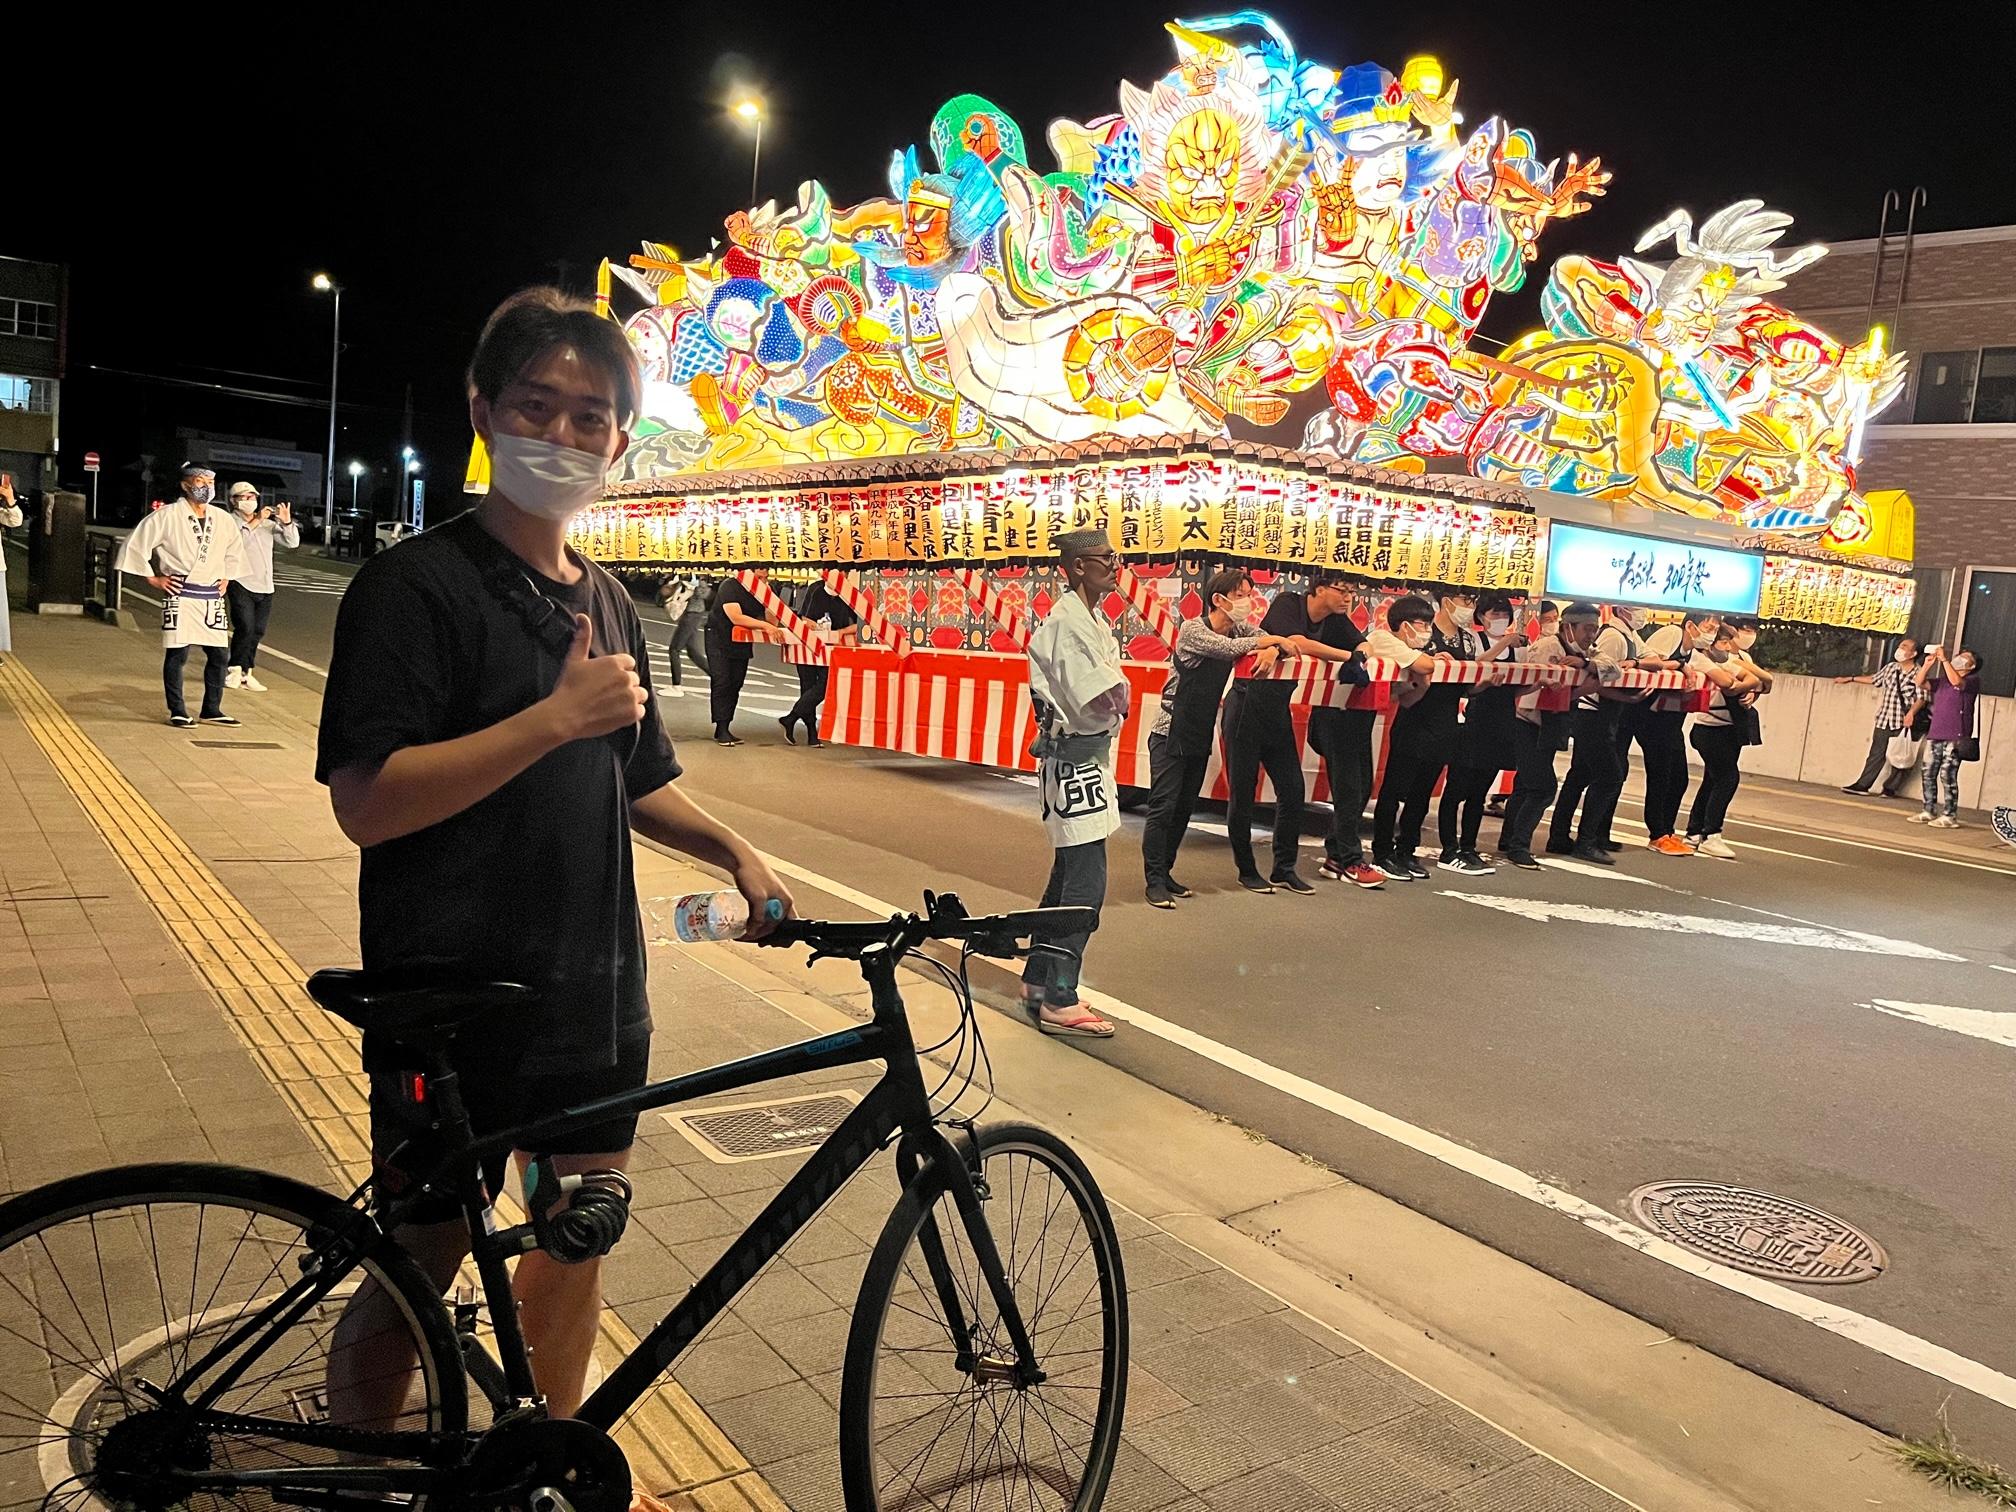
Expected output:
(113, 1284)
(920, 1429)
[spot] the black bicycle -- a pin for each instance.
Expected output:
(206, 1335)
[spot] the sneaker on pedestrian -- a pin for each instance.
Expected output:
(1922, 817)
(180, 721)
(1524, 860)
(1612, 846)
(1945, 821)
(1858, 791)
(1253, 882)
(1330, 871)
(1178, 890)
(1593, 852)
(1158, 896)
(1290, 881)
(1671, 845)
(1560, 847)
(1360, 874)
(1393, 871)
(221, 719)
(253, 685)
(1716, 846)
(1415, 869)
(234, 678)
(1466, 863)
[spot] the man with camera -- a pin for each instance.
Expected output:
(250, 594)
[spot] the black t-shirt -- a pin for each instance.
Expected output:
(823, 604)
(1427, 729)
(535, 882)
(722, 628)
(1289, 615)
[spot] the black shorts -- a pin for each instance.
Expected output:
(498, 1096)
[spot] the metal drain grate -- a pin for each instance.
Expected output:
(1759, 1232)
(239, 745)
(764, 1130)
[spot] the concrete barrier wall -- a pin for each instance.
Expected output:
(1816, 730)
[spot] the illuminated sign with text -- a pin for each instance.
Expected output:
(1613, 567)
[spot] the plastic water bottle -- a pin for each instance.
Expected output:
(716, 915)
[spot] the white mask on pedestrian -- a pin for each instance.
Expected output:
(1903, 655)
(545, 479)
(1239, 610)
(1497, 625)
(1462, 614)
(245, 503)
(1415, 636)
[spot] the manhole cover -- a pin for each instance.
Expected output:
(1759, 1232)
(761, 1131)
(239, 745)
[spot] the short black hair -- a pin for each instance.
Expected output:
(1408, 608)
(534, 321)
(1493, 603)
(1458, 590)
(1328, 578)
(1224, 583)
(1548, 606)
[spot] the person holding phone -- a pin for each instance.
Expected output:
(1951, 682)
(10, 519)
(251, 594)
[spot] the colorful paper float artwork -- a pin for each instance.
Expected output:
(1247, 227)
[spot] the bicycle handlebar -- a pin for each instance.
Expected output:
(944, 918)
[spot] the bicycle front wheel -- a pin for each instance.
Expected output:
(931, 1415)
(115, 1285)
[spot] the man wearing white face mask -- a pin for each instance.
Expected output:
(490, 739)
(190, 554)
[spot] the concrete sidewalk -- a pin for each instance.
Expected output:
(1299, 1343)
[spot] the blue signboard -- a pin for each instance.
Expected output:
(1614, 567)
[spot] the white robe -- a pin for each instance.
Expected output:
(198, 554)
(1074, 666)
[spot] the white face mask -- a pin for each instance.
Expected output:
(1462, 614)
(1746, 639)
(1497, 625)
(244, 504)
(1239, 611)
(544, 479)
(1904, 655)
(1414, 636)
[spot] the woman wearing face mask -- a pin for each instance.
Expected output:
(1719, 738)
(1896, 693)
(1953, 684)
(1485, 740)
(490, 740)
(1179, 749)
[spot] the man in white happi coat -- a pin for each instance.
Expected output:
(190, 552)
(1081, 694)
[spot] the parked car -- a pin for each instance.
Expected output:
(392, 532)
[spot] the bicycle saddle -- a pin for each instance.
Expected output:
(413, 1005)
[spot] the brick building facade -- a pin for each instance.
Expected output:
(1951, 438)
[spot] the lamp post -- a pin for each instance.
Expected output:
(324, 284)
(356, 472)
(411, 459)
(750, 109)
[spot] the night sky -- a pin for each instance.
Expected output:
(199, 180)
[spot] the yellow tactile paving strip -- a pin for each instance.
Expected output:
(309, 1056)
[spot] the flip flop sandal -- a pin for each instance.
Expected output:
(1088, 1025)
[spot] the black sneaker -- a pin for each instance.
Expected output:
(1612, 846)
(1560, 847)
(1476, 860)
(1292, 882)
(1416, 870)
(1253, 882)
(1592, 851)
(1394, 871)
(181, 721)
(1466, 863)
(221, 719)
(1523, 860)
(1178, 890)
(1158, 896)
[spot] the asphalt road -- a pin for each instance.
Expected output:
(1593, 1031)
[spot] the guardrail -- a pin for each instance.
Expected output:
(101, 573)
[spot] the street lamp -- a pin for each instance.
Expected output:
(412, 460)
(356, 472)
(750, 109)
(324, 284)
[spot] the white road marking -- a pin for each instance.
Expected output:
(1982, 1023)
(2010, 969)
(1871, 1333)
(1540, 910)
(1795, 855)
(1607, 873)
